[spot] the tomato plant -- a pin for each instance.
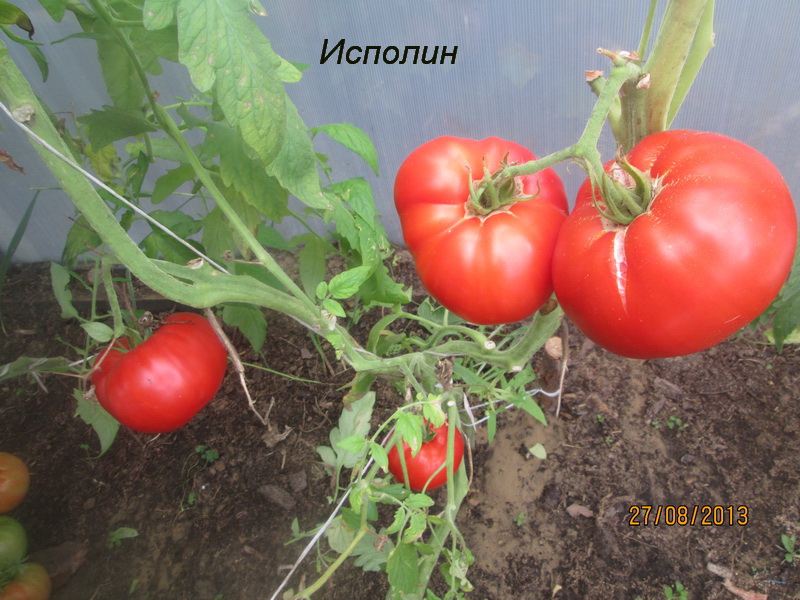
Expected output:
(707, 256)
(31, 583)
(426, 468)
(486, 261)
(13, 543)
(14, 481)
(162, 383)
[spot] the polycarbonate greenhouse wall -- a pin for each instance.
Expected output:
(518, 74)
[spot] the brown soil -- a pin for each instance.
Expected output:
(725, 435)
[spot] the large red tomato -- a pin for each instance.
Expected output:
(708, 256)
(161, 384)
(487, 269)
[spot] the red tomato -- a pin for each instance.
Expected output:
(487, 269)
(31, 583)
(707, 257)
(14, 481)
(427, 461)
(161, 384)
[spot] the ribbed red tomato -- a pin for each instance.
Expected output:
(162, 383)
(487, 269)
(708, 256)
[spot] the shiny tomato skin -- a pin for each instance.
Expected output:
(431, 456)
(13, 543)
(31, 583)
(486, 269)
(709, 255)
(14, 481)
(159, 385)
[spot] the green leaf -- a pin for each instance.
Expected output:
(312, 263)
(55, 8)
(11, 15)
(339, 535)
(538, 451)
(346, 284)
(288, 71)
(250, 320)
(164, 147)
(295, 167)
(242, 170)
(99, 332)
(333, 307)
(379, 455)
(381, 288)
(416, 527)
(358, 194)
(94, 415)
(124, 87)
(371, 553)
(103, 161)
(158, 14)
(271, 238)
(786, 320)
(60, 278)
(114, 123)
(352, 138)
(122, 533)
(226, 53)
(530, 406)
(27, 365)
(433, 413)
(409, 427)
(171, 181)
(354, 421)
(420, 500)
(353, 443)
(402, 568)
(217, 235)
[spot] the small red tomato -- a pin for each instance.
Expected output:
(14, 481)
(431, 456)
(162, 383)
(31, 583)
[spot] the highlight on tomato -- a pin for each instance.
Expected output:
(162, 383)
(14, 481)
(707, 255)
(484, 252)
(427, 469)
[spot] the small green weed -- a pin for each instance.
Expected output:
(678, 592)
(115, 537)
(520, 519)
(792, 552)
(673, 423)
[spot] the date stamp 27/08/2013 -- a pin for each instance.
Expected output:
(703, 515)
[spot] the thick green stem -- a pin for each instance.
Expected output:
(585, 148)
(678, 53)
(314, 587)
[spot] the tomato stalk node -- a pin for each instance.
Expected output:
(495, 191)
(624, 193)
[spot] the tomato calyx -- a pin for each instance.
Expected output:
(495, 191)
(622, 194)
